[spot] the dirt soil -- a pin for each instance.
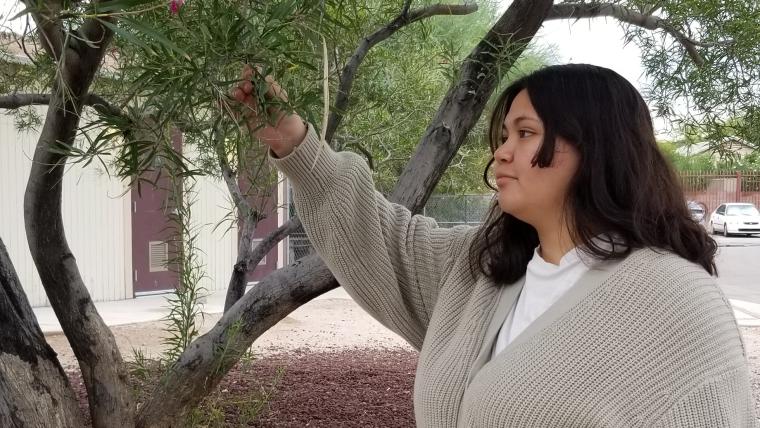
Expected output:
(328, 364)
(320, 325)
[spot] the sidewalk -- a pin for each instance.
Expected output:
(747, 313)
(153, 308)
(145, 309)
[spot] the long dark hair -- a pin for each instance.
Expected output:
(624, 186)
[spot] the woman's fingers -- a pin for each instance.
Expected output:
(274, 89)
(239, 95)
(247, 72)
(245, 94)
(247, 86)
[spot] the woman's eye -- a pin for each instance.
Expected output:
(524, 133)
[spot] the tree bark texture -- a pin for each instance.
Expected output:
(34, 390)
(465, 101)
(249, 257)
(103, 371)
(206, 361)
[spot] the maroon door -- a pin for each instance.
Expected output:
(265, 227)
(152, 232)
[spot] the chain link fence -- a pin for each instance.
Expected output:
(710, 189)
(447, 210)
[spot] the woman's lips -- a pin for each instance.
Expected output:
(502, 180)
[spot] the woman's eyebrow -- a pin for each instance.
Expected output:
(524, 118)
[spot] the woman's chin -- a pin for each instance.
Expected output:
(513, 209)
(506, 207)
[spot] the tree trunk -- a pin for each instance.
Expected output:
(464, 103)
(249, 257)
(207, 360)
(34, 390)
(103, 370)
(236, 286)
(209, 357)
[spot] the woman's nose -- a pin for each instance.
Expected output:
(503, 154)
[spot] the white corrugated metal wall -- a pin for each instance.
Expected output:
(95, 214)
(217, 242)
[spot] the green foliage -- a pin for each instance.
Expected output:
(169, 71)
(721, 149)
(185, 305)
(247, 407)
(140, 365)
(710, 96)
(176, 71)
(698, 162)
(399, 88)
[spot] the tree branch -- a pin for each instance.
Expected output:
(465, 101)
(623, 14)
(268, 243)
(247, 215)
(365, 152)
(49, 28)
(230, 178)
(98, 37)
(100, 104)
(103, 371)
(348, 74)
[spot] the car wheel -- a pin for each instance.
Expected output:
(725, 230)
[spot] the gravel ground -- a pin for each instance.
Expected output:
(350, 388)
(321, 325)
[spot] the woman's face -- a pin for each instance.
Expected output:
(532, 194)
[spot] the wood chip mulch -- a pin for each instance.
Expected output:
(352, 388)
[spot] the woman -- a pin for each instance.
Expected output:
(587, 297)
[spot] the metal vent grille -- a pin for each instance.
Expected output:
(159, 256)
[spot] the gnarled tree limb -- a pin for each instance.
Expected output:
(348, 74)
(95, 101)
(623, 14)
(465, 101)
(34, 389)
(49, 27)
(103, 371)
(249, 218)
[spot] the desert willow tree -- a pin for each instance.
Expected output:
(703, 53)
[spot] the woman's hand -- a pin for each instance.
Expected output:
(288, 129)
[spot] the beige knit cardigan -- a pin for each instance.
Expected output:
(650, 341)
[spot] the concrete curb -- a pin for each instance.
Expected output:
(747, 313)
(146, 309)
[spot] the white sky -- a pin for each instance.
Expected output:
(597, 41)
(594, 41)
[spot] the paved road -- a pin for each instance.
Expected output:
(739, 267)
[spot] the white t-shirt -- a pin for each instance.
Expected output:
(545, 283)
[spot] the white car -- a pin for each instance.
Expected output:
(735, 218)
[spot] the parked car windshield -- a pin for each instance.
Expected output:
(742, 210)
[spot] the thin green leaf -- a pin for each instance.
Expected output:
(155, 35)
(125, 34)
(118, 5)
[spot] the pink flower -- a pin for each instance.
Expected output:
(175, 5)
